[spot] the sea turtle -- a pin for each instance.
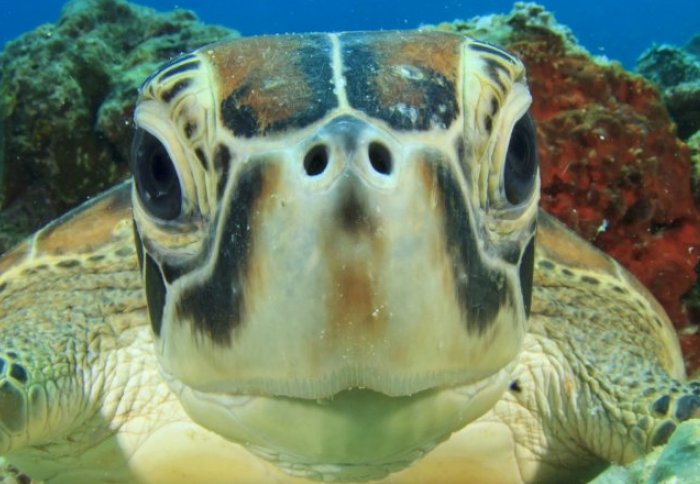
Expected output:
(326, 267)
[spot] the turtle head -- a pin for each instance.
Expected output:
(337, 235)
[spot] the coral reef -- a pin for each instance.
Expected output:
(612, 166)
(66, 99)
(677, 73)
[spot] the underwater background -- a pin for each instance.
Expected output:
(620, 30)
(619, 143)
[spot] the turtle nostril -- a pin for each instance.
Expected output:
(316, 160)
(380, 158)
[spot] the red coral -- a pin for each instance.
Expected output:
(614, 170)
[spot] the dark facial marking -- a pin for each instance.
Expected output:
(216, 306)
(526, 271)
(3, 286)
(352, 212)
(492, 69)
(155, 293)
(461, 149)
(480, 290)
(590, 280)
(190, 128)
(463, 163)
(377, 87)
(138, 243)
(179, 68)
(222, 164)
(494, 106)
(488, 123)
(166, 66)
(175, 89)
(491, 49)
(199, 153)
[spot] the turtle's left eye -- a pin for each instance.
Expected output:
(155, 176)
(520, 169)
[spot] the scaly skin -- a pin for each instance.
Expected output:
(587, 390)
(600, 378)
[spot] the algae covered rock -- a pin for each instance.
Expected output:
(525, 21)
(66, 102)
(677, 73)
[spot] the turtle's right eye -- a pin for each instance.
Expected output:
(520, 172)
(156, 179)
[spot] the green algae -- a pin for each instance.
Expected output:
(67, 92)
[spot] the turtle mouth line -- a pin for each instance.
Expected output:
(328, 438)
(242, 397)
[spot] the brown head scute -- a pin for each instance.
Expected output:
(408, 82)
(273, 84)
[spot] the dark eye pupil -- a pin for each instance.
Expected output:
(161, 169)
(521, 162)
(155, 177)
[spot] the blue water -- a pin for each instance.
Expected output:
(619, 29)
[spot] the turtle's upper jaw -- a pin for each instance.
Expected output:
(323, 213)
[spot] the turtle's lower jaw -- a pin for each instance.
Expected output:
(355, 435)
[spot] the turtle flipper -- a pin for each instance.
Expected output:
(38, 396)
(65, 295)
(673, 403)
(601, 377)
(14, 400)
